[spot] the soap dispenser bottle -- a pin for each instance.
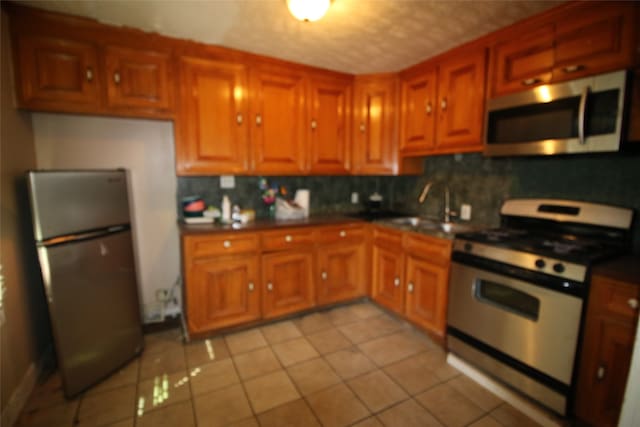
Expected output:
(226, 209)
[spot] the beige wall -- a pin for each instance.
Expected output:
(145, 147)
(25, 335)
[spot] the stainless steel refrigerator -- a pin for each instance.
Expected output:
(82, 229)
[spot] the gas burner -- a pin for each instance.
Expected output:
(562, 248)
(501, 234)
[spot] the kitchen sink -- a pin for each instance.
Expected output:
(420, 223)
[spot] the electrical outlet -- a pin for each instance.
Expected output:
(355, 198)
(227, 181)
(465, 211)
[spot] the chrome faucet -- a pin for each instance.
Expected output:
(448, 213)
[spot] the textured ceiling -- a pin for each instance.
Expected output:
(356, 36)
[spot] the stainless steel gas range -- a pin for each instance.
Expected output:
(517, 293)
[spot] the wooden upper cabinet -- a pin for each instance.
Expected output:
(597, 39)
(461, 101)
(212, 132)
(58, 74)
(329, 125)
(523, 61)
(374, 119)
(138, 79)
(278, 121)
(418, 112)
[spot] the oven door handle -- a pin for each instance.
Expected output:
(582, 112)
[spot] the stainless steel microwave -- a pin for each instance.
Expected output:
(578, 116)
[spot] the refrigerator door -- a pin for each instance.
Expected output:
(93, 305)
(67, 202)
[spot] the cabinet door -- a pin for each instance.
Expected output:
(329, 127)
(374, 150)
(426, 300)
(596, 38)
(341, 273)
(221, 292)
(288, 281)
(278, 122)
(138, 80)
(461, 99)
(417, 117)
(387, 285)
(524, 61)
(57, 74)
(211, 133)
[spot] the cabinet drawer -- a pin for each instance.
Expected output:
(342, 233)
(616, 298)
(287, 239)
(428, 248)
(390, 239)
(224, 244)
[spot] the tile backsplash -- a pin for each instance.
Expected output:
(482, 182)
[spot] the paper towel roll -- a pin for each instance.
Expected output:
(302, 199)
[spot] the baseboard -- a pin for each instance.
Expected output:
(533, 411)
(21, 394)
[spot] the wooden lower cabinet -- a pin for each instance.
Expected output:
(388, 269)
(426, 300)
(341, 272)
(288, 282)
(605, 356)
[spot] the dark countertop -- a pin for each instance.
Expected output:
(624, 269)
(264, 224)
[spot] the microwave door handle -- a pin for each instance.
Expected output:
(582, 114)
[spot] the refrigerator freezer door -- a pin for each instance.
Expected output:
(67, 202)
(93, 306)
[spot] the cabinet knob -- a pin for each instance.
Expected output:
(573, 68)
(116, 78)
(89, 74)
(239, 118)
(530, 82)
(601, 372)
(314, 124)
(324, 275)
(633, 303)
(410, 287)
(427, 108)
(396, 282)
(226, 244)
(270, 286)
(343, 233)
(443, 104)
(288, 238)
(251, 287)
(258, 120)
(362, 127)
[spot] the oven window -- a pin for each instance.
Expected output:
(508, 298)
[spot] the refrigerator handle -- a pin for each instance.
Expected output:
(82, 236)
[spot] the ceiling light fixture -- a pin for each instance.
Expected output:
(308, 10)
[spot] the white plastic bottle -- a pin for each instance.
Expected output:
(226, 209)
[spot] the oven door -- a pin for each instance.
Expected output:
(536, 326)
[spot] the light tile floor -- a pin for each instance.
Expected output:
(350, 366)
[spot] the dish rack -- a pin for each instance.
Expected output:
(288, 210)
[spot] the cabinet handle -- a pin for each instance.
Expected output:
(239, 118)
(116, 78)
(270, 286)
(89, 74)
(288, 238)
(443, 104)
(427, 108)
(314, 124)
(324, 275)
(251, 287)
(410, 287)
(633, 303)
(343, 233)
(602, 371)
(396, 282)
(573, 68)
(226, 244)
(530, 82)
(362, 127)
(258, 120)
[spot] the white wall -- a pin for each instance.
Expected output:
(146, 148)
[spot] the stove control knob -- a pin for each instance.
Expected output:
(468, 247)
(540, 263)
(558, 268)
